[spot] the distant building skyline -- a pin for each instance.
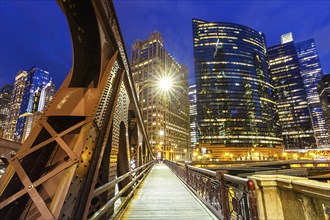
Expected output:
(49, 43)
(33, 89)
(235, 106)
(36, 79)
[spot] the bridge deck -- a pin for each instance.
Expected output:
(164, 196)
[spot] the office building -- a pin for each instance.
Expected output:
(36, 80)
(15, 103)
(5, 98)
(296, 71)
(193, 116)
(235, 106)
(39, 100)
(165, 112)
(311, 73)
(324, 92)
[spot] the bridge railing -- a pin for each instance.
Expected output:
(228, 197)
(291, 197)
(137, 176)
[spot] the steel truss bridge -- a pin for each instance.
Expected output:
(89, 134)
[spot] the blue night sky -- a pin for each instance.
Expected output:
(36, 32)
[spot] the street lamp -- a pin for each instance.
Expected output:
(161, 85)
(165, 85)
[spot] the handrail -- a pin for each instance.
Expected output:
(203, 171)
(225, 195)
(212, 173)
(235, 179)
(200, 170)
(108, 185)
(99, 213)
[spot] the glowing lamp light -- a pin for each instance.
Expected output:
(165, 84)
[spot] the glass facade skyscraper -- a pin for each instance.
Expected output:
(296, 72)
(324, 92)
(36, 79)
(291, 98)
(193, 116)
(311, 72)
(235, 106)
(39, 100)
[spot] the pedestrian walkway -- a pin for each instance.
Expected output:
(163, 196)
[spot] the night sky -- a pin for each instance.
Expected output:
(36, 32)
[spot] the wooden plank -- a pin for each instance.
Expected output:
(164, 196)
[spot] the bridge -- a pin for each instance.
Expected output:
(89, 156)
(8, 148)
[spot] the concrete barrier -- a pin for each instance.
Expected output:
(289, 197)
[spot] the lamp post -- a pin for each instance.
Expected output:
(161, 133)
(162, 85)
(165, 85)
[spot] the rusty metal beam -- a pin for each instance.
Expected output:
(54, 174)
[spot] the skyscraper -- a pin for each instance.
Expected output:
(193, 116)
(311, 72)
(165, 113)
(235, 106)
(296, 71)
(36, 79)
(5, 98)
(16, 100)
(291, 96)
(324, 92)
(39, 100)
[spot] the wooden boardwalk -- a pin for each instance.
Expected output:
(163, 196)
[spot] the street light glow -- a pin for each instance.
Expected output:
(165, 84)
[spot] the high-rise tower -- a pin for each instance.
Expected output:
(36, 79)
(38, 101)
(193, 116)
(296, 72)
(16, 99)
(324, 92)
(165, 113)
(235, 106)
(5, 98)
(311, 72)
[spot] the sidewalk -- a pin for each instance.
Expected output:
(163, 196)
